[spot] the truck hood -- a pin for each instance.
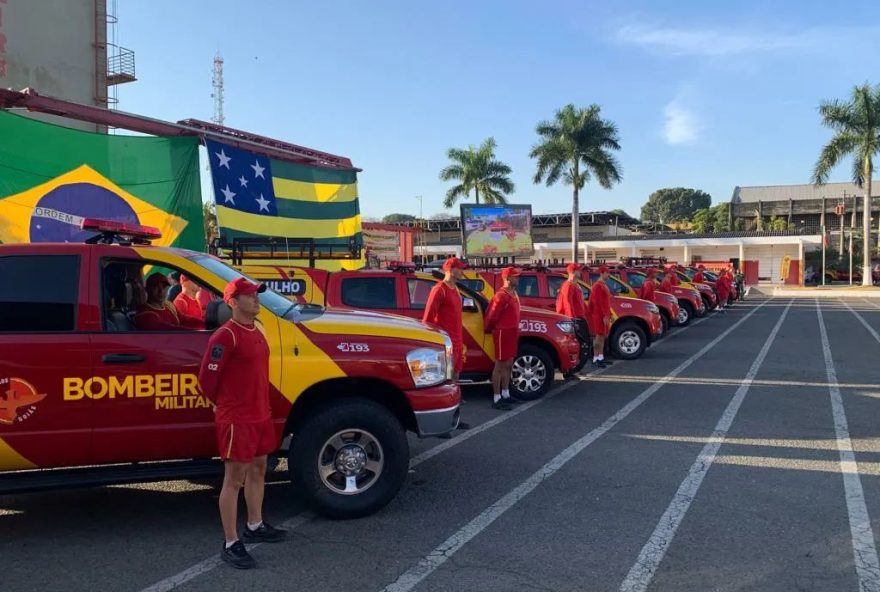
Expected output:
(337, 321)
(539, 313)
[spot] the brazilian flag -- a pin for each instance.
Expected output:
(52, 177)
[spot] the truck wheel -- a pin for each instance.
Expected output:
(533, 373)
(685, 313)
(628, 341)
(664, 316)
(349, 459)
(707, 304)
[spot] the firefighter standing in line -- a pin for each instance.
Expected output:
(723, 287)
(444, 310)
(570, 300)
(698, 277)
(666, 285)
(502, 320)
(599, 317)
(649, 286)
(235, 376)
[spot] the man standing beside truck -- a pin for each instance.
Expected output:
(599, 318)
(502, 320)
(570, 300)
(444, 310)
(649, 286)
(235, 376)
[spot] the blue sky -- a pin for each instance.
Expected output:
(706, 94)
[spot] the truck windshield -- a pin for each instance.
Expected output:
(276, 303)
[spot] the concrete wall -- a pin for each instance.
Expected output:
(50, 47)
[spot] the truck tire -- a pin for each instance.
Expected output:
(667, 321)
(707, 304)
(628, 341)
(349, 459)
(533, 373)
(685, 313)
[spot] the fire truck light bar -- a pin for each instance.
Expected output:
(121, 228)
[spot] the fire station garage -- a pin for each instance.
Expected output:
(762, 253)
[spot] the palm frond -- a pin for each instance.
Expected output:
(454, 194)
(453, 172)
(833, 152)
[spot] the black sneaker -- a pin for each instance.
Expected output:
(600, 364)
(608, 362)
(237, 556)
(512, 401)
(502, 405)
(265, 533)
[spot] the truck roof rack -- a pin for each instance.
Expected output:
(280, 247)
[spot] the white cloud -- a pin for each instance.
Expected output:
(727, 42)
(681, 124)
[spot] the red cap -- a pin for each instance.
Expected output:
(700, 267)
(509, 272)
(652, 272)
(453, 263)
(572, 267)
(603, 269)
(241, 286)
(157, 278)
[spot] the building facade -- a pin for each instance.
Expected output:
(60, 49)
(807, 207)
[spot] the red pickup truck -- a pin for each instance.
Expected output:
(635, 322)
(88, 398)
(690, 302)
(547, 340)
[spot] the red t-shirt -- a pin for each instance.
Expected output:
(444, 310)
(648, 289)
(164, 318)
(570, 301)
(698, 278)
(666, 285)
(189, 306)
(600, 300)
(503, 311)
(235, 373)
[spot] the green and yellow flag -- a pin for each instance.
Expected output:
(261, 197)
(51, 177)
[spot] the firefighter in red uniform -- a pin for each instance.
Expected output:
(570, 300)
(672, 275)
(187, 302)
(649, 286)
(723, 285)
(502, 320)
(698, 277)
(599, 318)
(444, 310)
(157, 314)
(666, 284)
(235, 376)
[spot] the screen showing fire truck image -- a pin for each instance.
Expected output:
(497, 231)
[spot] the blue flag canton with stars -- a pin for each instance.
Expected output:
(242, 179)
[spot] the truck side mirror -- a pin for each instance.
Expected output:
(469, 305)
(217, 313)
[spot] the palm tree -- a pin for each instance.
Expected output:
(575, 147)
(477, 169)
(856, 125)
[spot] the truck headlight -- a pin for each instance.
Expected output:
(653, 307)
(428, 366)
(566, 326)
(450, 356)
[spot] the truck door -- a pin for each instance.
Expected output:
(43, 312)
(530, 292)
(144, 390)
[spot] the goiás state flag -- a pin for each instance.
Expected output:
(52, 177)
(258, 197)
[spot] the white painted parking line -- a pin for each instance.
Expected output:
(642, 572)
(862, 321)
(426, 566)
(209, 564)
(864, 546)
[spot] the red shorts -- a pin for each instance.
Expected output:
(244, 441)
(597, 326)
(458, 353)
(506, 343)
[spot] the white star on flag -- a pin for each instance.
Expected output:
(243, 181)
(228, 195)
(258, 170)
(224, 160)
(264, 203)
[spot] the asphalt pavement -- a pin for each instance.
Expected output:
(740, 453)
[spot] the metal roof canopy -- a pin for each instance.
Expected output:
(32, 101)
